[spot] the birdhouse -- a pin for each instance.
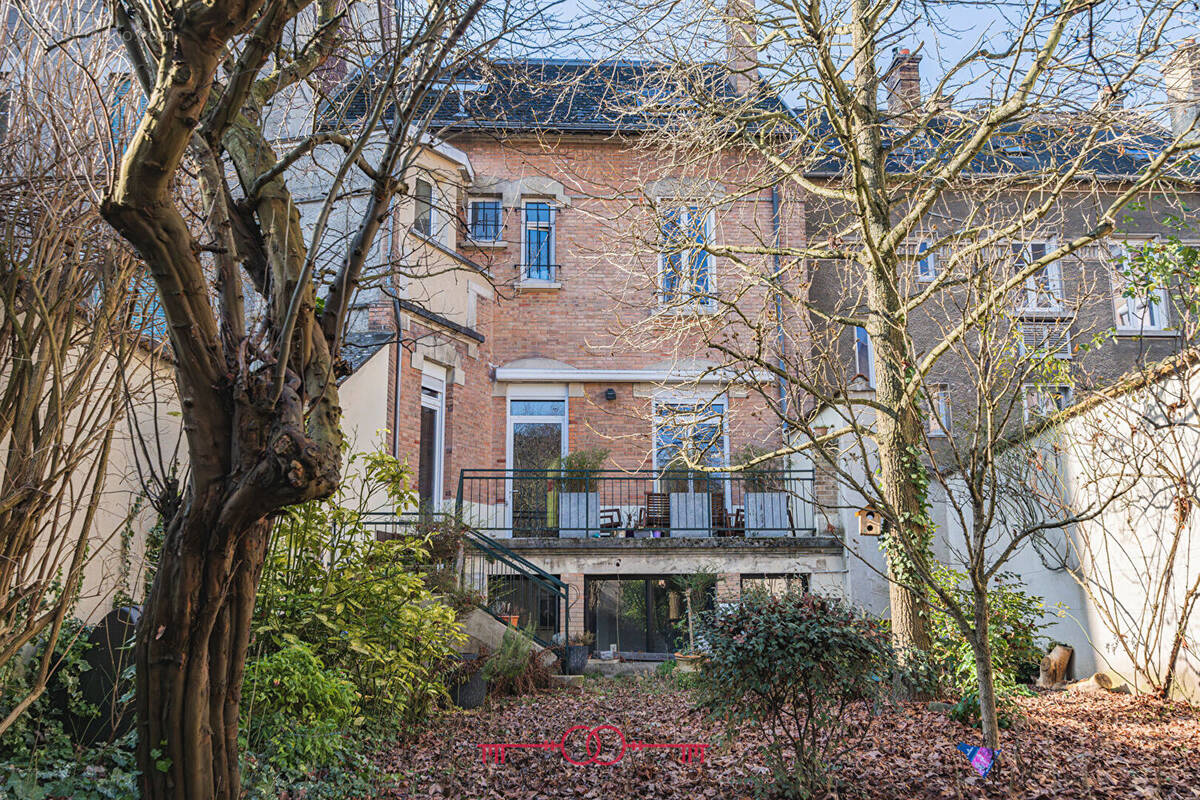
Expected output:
(870, 522)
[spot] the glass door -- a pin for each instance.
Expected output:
(537, 440)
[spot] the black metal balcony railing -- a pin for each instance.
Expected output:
(638, 504)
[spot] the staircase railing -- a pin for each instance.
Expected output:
(506, 585)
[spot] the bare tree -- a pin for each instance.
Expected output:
(75, 343)
(237, 96)
(930, 225)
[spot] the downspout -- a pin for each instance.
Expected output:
(782, 341)
(399, 347)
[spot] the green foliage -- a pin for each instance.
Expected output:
(1014, 631)
(762, 477)
(294, 709)
(797, 666)
(516, 668)
(361, 604)
(695, 586)
(37, 757)
(586, 460)
(966, 710)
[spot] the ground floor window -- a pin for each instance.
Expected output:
(640, 616)
(776, 584)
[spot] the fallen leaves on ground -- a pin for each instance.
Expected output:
(1069, 746)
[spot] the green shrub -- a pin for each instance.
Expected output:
(38, 758)
(294, 710)
(798, 666)
(516, 668)
(1014, 626)
(361, 604)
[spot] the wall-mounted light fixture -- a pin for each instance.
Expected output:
(610, 394)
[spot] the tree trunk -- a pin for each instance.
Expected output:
(896, 433)
(191, 648)
(984, 676)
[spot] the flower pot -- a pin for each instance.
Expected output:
(689, 662)
(471, 692)
(511, 619)
(577, 658)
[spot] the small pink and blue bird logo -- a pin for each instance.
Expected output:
(981, 758)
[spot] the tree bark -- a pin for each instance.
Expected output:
(898, 431)
(191, 649)
(989, 721)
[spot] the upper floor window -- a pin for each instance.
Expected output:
(938, 417)
(539, 241)
(927, 266)
(1137, 308)
(1043, 289)
(485, 216)
(685, 264)
(864, 356)
(1045, 339)
(423, 214)
(1042, 400)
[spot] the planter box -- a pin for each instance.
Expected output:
(691, 515)
(767, 514)
(577, 658)
(578, 515)
(689, 663)
(471, 692)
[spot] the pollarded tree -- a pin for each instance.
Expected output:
(236, 95)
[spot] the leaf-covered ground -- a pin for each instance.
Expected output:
(1069, 746)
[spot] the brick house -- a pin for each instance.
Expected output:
(563, 314)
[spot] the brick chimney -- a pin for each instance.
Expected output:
(741, 47)
(903, 82)
(1181, 74)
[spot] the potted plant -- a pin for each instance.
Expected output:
(765, 497)
(578, 648)
(693, 587)
(468, 686)
(578, 498)
(505, 611)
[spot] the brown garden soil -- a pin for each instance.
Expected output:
(1068, 746)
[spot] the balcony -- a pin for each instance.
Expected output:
(640, 504)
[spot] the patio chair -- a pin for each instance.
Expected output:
(658, 510)
(610, 518)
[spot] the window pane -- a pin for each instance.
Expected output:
(485, 220)
(423, 215)
(536, 408)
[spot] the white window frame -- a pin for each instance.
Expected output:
(471, 201)
(535, 392)
(1128, 304)
(938, 417)
(1063, 353)
(661, 206)
(869, 374)
(432, 233)
(435, 377)
(552, 226)
(685, 398)
(555, 392)
(1038, 390)
(928, 258)
(1022, 251)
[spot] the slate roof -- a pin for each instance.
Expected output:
(557, 95)
(359, 346)
(629, 97)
